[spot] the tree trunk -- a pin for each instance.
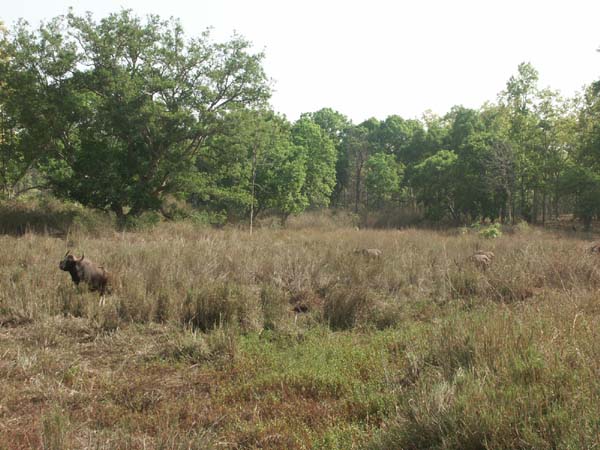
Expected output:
(556, 198)
(118, 210)
(357, 193)
(510, 207)
(535, 206)
(544, 202)
(254, 152)
(522, 199)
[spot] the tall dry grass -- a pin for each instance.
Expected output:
(288, 338)
(206, 278)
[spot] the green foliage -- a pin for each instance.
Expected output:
(358, 144)
(581, 177)
(253, 162)
(383, 178)
(433, 180)
(143, 221)
(584, 183)
(321, 156)
(335, 125)
(492, 231)
(122, 106)
(405, 139)
(281, 183)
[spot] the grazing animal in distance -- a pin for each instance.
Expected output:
(369, 252)
(84, 270)
(490, 255)
(595, 248)
(481, 260)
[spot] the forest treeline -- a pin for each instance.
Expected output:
(129, 115)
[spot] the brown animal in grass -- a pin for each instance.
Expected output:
(481, 260)
(84, 270)
(490, 255)
(369, 252)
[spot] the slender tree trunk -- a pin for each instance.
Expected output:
(544, 203)
(522, 199)
(535, 205)
(556, 198)
(357, 193)
(254, 151)
(118, 210)
(510, 207)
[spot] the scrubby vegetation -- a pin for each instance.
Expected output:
(288, 338)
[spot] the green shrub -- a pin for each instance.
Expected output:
(491, 232)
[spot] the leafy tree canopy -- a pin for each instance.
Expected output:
(124, 105)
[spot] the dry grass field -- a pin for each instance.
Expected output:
(291, 339)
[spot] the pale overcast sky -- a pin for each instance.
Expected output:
(376, 58)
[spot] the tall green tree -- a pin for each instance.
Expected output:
(332, 122)
(124, 104)
(470, 141)
(434, 181)
(556, 139)
(358, 146)
(321, 156)
(34, 99)
(519, 100)
(584, 184)
(383, 178)
(582, 175)
(405, 139)
(335, 125)
(252, 165)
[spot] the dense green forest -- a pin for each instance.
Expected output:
(128, 115)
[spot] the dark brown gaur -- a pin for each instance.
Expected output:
(84, 270)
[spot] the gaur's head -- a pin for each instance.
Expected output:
(68, 262)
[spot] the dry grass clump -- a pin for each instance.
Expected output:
(222, 303)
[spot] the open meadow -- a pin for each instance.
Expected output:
(291, 339)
